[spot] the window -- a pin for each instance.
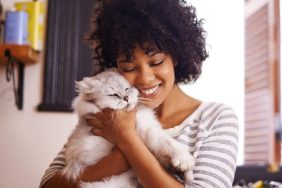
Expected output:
(262, 90)
(67, 57)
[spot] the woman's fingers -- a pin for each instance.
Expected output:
(99, 120)
(94, 122)
(88, 116)
(104, 115)
(96, 132)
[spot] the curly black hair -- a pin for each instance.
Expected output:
(171, 26)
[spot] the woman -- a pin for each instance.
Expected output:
(156, 44)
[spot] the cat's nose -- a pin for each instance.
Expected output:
(125, 98)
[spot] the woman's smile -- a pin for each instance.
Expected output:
(150, 91)
(151, 73)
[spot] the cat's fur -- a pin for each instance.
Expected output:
(110, 90)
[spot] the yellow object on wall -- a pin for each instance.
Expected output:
(36, 22)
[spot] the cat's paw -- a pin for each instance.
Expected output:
(184, 162)
(188, 176)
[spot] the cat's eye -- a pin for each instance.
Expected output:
(114, 95)
(126, 89)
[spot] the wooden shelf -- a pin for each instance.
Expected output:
(23, 53)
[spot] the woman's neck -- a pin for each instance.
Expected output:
(176, 107)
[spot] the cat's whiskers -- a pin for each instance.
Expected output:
(146, 101)
(143, 98)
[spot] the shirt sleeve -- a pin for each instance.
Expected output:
(216, 157)
(57, 165)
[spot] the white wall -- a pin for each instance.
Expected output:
(222, 78)
(29, 139)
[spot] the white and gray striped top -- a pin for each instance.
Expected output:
(211, 135)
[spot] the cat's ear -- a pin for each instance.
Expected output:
(86, 85)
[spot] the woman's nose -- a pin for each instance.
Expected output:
(146, 76)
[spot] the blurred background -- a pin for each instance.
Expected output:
(243, 71)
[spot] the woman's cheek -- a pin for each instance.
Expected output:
(130, 78)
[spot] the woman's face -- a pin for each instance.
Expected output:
(151, 73)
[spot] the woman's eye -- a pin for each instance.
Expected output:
(157, 63)
(128, 69)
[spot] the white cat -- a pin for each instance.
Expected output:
(111, 90)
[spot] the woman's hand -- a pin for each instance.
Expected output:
(112, 124)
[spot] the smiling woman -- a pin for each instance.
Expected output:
(157, 45)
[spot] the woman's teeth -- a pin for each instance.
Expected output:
(150, 91)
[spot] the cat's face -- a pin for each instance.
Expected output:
(108, 90)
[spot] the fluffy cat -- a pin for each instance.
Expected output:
(111, 90)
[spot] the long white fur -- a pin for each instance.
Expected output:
(84, 148)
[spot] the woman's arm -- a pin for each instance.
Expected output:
(112, 164)
(118, 127)
(149, 171)
(216, 156)
(215, 159)
(57, 181)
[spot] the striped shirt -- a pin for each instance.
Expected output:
(210, 133)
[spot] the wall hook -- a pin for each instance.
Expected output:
(10, 76)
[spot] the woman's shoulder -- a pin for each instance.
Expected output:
(216, 113)
(205, 117)
(212, 109)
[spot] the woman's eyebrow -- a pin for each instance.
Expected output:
(152, 53)
(123, 61)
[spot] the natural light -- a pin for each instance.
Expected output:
(222, 79)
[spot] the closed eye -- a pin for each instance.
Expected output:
(156, 63)
(128, 69)
(114, 95)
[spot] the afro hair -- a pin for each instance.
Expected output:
(171, 26)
